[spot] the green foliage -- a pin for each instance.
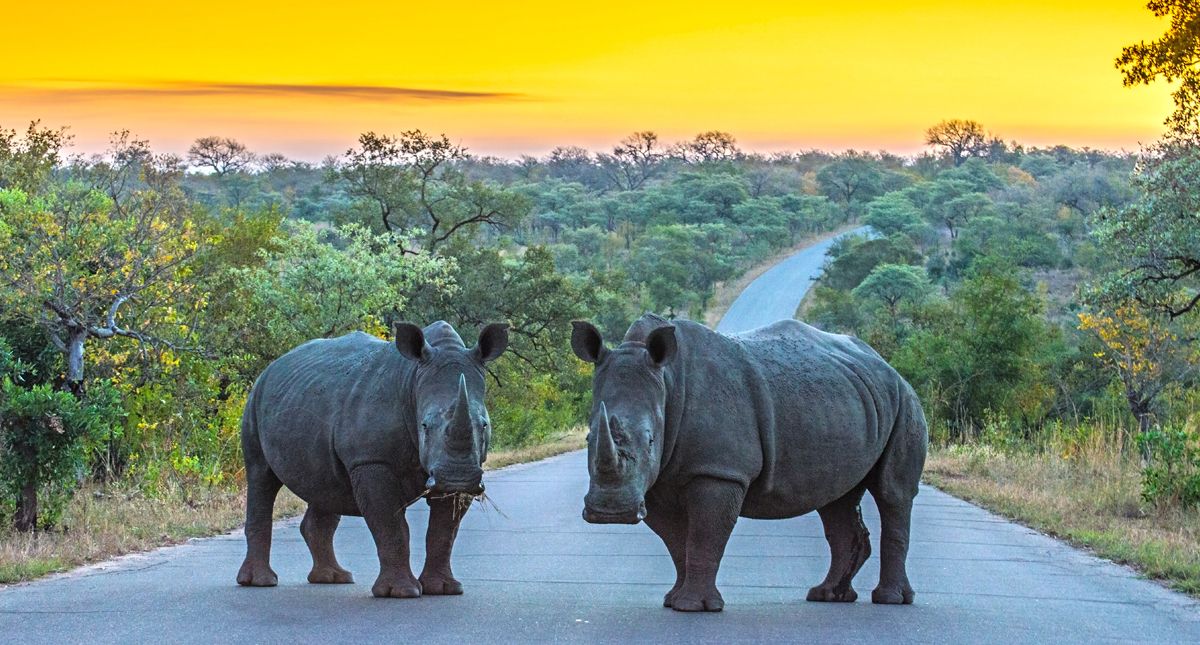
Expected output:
(1155, 242)
(319, 285)
(1174, 57)
(987, 348)
(1172, 472)
(858, 256)
(892, 285)
(44, 435)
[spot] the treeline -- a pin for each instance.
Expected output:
(1037, 299)
(143, 292)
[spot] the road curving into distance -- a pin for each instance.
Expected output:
(776, 294)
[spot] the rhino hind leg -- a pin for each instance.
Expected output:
(262, 485)
(713, 506)
(436, 577)
(849, 547)
(894, 484)
(670, 524)
(318, 527)
(377, 492)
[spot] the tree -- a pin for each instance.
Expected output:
(315, 286)
(633, 161)
(221, 154)
(26, 162)
(852, 179)
(985, 351)
(42, 434)
(958, 139)
(892, 213)
(1145, 352)
(1156, 240)
(1173, 57)
(709, 147)
(102, 261)
(893, 284)
(414, 181)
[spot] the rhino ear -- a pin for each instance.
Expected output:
(661, 346)
(410, 340)
(493, 340)
(586, 341)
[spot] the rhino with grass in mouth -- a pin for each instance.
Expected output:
(691, 429)
(360, 426)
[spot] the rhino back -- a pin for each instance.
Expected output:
(798, 415)
(330, 405)
(835, 402)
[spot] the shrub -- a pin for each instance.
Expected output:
(43, 437)
(1172, 471)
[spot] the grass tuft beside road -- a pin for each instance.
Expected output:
(1090, 499)
(99, 524)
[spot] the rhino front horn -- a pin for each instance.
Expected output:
(606, 450)
(460, 427)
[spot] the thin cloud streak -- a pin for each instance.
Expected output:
(187, 89)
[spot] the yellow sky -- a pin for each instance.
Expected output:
(516, 77)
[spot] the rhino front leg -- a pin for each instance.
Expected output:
(670, 523)
(444, 517)
(849, 547)
(713, 506)
(318, 527)
(377, 492)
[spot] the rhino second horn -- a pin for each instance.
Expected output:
(606, 450)
(461, 428)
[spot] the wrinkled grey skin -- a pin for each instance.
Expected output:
(360, 426)
(691, 429)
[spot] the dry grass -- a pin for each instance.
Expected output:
(103, 523)
(100, 524)
(1091, 499)
(726, 292)
(573, 439)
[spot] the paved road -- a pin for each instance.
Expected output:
(535, 572)
(538, 573)
(777, 293)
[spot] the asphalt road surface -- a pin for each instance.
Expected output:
(777, 293)
(534, 571)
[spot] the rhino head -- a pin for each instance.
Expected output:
(627, 422)
(453, 426)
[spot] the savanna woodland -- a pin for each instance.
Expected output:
(1044, 302)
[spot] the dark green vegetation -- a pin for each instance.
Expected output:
(143, 293)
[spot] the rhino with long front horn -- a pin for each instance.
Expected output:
(360, 426)
(691, 429)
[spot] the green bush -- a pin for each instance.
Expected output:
(1172, 471)
(44, 434)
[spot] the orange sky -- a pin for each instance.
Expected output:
(515, 77)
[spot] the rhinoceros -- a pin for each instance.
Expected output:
(691, 429)
(359, 426)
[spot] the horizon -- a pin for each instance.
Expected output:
(511, 82)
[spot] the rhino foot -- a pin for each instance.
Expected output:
(330, 576)
(253, 574)
(669, 599)
(832, 593)
(391, 585)
(686, 600)
(892, 595)
(440, 586)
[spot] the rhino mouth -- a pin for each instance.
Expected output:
(593, 516)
